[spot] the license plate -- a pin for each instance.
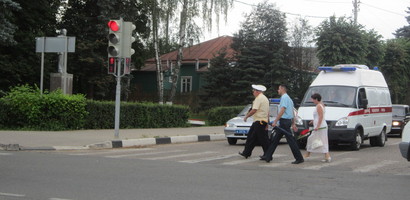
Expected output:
(241, 131)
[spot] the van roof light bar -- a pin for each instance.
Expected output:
(343, 67)
(337, 68)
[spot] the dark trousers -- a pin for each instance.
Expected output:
(256, 135)
(284, 124)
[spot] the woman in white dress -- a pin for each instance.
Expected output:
(319, 133)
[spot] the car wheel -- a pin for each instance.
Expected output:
(379, 140)
(355, 146)
(232, 141)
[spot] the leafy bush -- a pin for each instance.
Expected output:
(136, 115)
(25, 107)
(220, 115)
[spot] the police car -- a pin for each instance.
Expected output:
(236, 128)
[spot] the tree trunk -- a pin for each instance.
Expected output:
(160, 77)
(176, 70)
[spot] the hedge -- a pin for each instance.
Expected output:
(25, 108)
(136, 115)
(220, 115)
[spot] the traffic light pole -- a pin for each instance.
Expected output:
(118, 99)
(119, 48)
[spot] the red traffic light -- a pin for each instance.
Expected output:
(113, 25)
(111, 65)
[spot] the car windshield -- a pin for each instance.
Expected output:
(335, 96)
(398, 111)
(273, 110)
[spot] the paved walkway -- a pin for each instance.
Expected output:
(29, 140)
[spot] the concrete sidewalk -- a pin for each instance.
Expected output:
(86, 139)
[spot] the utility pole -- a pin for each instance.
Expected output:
(355, 10)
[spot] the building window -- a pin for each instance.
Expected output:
(186, 84)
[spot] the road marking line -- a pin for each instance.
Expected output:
(403, 174)
(12, 195)
(58, 199)
(396, 143)
(333, 163)
(276, 164)
(237, 162)
(5, 154)
(180, 155)
(243, 161)
(143, 154)
(368, 168)
(209, 159)
(110, 152)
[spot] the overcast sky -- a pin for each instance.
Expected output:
(384, 16)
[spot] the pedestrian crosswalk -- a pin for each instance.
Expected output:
(347, 160)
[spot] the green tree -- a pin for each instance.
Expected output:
(18, 60)
(217, 91)
(188, 29)
(374, 48)
(395, 68)
(302, 57)
(404, 32)
(7, 28)
(87, 21)
(341, 41)
(262, 50)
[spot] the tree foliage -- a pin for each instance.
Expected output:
(302, 56)
(395, 68)
(87, 21)
(188, 29)
(341, 41)
(262, 48)
(23, 22)
(7, 28)
(219, 79)
(404, 32)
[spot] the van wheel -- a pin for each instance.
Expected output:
(355, 146)
(232, 141)
(379, 140)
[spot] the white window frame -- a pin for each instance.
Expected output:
(184, 84)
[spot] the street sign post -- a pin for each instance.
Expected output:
(55, 45)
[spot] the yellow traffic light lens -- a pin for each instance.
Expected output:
(113, 38)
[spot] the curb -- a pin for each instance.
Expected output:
(157, 141)
(121, 143)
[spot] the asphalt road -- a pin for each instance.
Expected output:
(206, 170)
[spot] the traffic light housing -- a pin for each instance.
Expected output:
(128, 39)
(115, 38)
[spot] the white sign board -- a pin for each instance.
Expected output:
(55, 44)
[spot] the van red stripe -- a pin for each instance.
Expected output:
(373, 110)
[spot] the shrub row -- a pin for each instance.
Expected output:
(136, 115)
(24, 108)
(220, 115)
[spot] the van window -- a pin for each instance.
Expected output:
(336, 96)
(374, 97)
(362, 96)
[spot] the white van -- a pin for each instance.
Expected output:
(358, 105)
